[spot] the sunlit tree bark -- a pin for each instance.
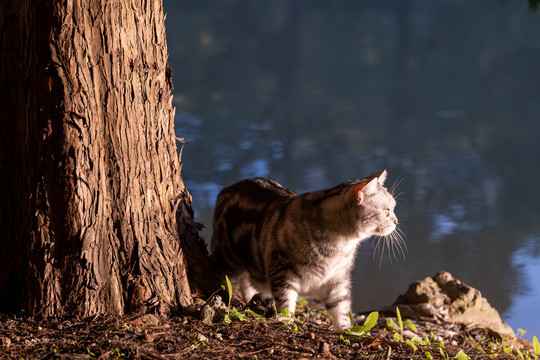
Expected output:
(94, 215)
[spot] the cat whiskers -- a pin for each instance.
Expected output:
(394, 243)
(394, 189)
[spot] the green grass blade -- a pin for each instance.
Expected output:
(411, 344)
(536, 345)
(410, 325)
(229, 288)
(254, 314)
(400, 321)
(351, 318)
(371, 321)
(462, 356)
(391, 324)
(235, 314)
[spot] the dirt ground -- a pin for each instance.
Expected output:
(247, 333)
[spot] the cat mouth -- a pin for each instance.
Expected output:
(391, 240)
(387, 230)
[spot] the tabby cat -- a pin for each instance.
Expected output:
(283, 245)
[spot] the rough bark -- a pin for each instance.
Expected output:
(89, 170)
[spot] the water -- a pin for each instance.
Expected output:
(443, 95)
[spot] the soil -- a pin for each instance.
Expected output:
(247, 336)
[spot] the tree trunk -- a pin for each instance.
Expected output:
(92, 198)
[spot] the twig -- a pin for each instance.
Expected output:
(388, 353)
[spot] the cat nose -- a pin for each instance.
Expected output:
(395, 222)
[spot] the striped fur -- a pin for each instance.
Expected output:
(284, 245)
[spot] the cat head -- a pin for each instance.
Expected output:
(373, 206)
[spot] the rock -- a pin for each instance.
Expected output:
(192, 309)
(409, 334)
(207, 314)
(200, 337)
(324, 348)
(216, 302)
(199, 302)
(447, 299)
(149, 319)
(148, 338)
(214, 311)
(220, 314)
(220, 309)
(5, 341)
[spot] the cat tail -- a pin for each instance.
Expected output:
(222, 267)
(217, 265)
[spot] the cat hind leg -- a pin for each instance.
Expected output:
(246, 287)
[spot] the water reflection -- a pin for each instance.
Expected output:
(311, 94)
(528, 259)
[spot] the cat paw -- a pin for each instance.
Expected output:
(260, 301)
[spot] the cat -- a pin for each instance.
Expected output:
(282, 245)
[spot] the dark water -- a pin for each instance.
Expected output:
(444, 95)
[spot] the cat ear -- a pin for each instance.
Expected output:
(364, 188)
(381, 176)
(357, 192)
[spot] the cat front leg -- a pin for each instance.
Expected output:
(338, 303)
(285, 294)
(340, 313)
(286, 300)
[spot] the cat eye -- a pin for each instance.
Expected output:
(386, 212)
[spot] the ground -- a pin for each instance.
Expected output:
(244, 334)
